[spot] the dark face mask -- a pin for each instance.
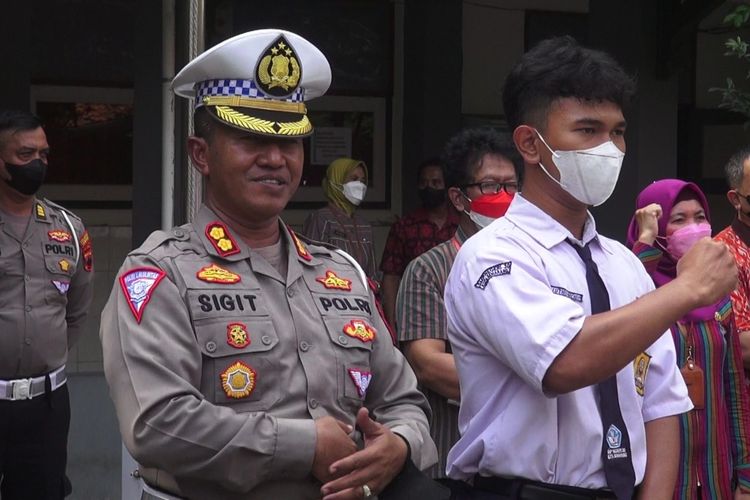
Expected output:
(28, 178)
(432, 198)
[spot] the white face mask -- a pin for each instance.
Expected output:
(589, 175)
(354, 191)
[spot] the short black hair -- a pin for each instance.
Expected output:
(558, 68)
(465, 150)
(735, 167)
(17, 120)
(203, 124)
(430, 162)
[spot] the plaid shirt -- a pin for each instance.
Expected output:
(413, 235)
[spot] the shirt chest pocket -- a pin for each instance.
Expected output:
(352, 340)
(238, 362)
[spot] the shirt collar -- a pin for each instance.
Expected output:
(460, 235)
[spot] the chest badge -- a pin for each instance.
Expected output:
(301, 249)
(138, 286)
(359, 329)
(221, 239)
(361, 379)
(59, 235)
(62, 286)
(237, 335)
(216, 274)
(64, 265)
(238, 381)
(330, 280)
(640, 370)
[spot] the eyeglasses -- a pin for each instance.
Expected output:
(489, 187)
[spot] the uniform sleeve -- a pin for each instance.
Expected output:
(81, 287)
(394, 400)
(153, 367)
(648, 255)
(420, 310)
(313, 227)
(393, 253)
(739, 407)
(513, 315)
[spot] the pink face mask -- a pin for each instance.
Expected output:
(679, 242)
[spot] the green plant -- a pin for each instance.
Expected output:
(736, 97)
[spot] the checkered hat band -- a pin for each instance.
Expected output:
(243, 88)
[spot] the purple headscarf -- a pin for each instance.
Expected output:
(666, 192)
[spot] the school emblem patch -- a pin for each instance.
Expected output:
(216, 274)
(237, 335)
(301, 249)
(64, 265)
(361, 379)
(41, 213)
(59, 235)
(221, 239)
(492, 272)
(87, 252)
(330, 280)
(640, 370)
(138, 286)
(238, 381)
(62, 286)
(359, 329)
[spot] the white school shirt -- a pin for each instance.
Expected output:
(516, 296)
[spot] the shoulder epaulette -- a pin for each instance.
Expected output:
(325, 248)
(159, 238)
(57, 206)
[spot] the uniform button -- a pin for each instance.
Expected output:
(290, 292)
(27, 277)
(313, 403)
(343, 340)
(28, 308)
(27, 341)
(304, 346)
(179, 233)
(265, 339)
(26, 245)
(211, 346)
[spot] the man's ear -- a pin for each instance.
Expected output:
(198, 152)
(457, 199)
(734, 199)
(525, 139)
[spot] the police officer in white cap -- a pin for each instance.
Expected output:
(243, 362)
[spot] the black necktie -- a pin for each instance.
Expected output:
(618, 463)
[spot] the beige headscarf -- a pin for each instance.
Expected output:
(333, 182)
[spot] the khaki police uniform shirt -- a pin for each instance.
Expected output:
(218, 366)
(44, 294)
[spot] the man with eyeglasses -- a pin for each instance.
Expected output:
(482, 178)
(737, 238)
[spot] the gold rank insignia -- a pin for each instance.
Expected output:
(359, 329)
(237, 335)
(301, 250)
(41, 213)
(640, 370)
(278, 72)
(238, 381)
(64, 265)
(59, 235)
(332, 281)
(221, 239)
(216, 274)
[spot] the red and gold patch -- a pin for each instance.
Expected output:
(59, 235)
(237, 335)
(301, 249)
(238, 381)
(221, 239)
(64, 265)
(216, 274)
(332, 281)
(359, 329)
(87, 252)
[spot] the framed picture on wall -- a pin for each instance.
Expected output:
(90, 133)
(349, 127)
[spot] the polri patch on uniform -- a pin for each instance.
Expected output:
(237, 335)
(87, 251)
(221, 239)
(41, 213)
(361, 379)
(301, 249)
(64, 265)
(332, 281)
(59, 235)
(138, 286)
(238, 380)
(217, 274)
(359, 329)
(640, 370)
(562, 292)
(62, 286)
(500, 269)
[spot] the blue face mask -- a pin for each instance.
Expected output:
(28, 178)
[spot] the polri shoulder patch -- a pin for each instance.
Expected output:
(331, 280)
(500, 269)
(361, 379)
(138, 286)
(359, 329)
(87, 251)
(217, 274)
(221, 239)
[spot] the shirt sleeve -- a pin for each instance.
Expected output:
(393, 253)
(81, 286)
(739, 406)
(153, 367)
(420, 310)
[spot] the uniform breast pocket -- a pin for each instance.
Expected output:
(352, 339)
(238, 367)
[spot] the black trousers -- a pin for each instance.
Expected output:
(33, 447)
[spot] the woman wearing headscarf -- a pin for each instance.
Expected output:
(671, 215)
(337, 223)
